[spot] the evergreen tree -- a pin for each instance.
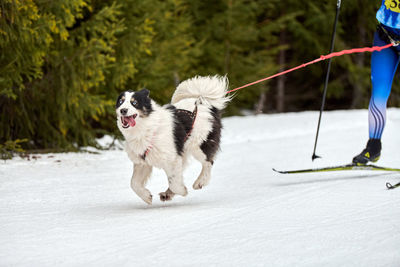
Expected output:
(307, 28)
(171, 57)
(63, 63)
(25, 38)
(64, 92)
(236, 39)
(354, 71)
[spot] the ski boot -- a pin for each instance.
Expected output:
(370, 154)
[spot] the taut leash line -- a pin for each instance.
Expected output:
(321, 58)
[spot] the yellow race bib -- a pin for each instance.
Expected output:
(393, 5)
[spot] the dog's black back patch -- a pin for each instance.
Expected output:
(211, 145)
(183, 123)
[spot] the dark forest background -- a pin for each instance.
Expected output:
(63, 63)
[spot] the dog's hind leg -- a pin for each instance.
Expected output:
(205, 175)
(141, 173)
(206, 152)
(175, 179)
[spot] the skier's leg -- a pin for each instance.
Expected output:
(383, 68)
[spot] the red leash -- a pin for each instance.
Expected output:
(321, 58)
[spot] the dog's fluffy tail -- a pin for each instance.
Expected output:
(212, 89)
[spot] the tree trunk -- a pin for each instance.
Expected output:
(261, 101)
(360, 60)
(176, 79)
(280, 96)
(227, 40)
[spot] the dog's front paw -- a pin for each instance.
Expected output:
(146, 196)
(198, 184)
(167, 195)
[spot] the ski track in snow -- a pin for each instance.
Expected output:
(77, 209)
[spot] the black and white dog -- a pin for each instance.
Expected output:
(165, 136)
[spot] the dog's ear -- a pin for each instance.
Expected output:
(145, 92)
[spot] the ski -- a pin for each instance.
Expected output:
(390, 186)
(347, 167)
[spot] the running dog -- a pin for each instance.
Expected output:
(165, 136)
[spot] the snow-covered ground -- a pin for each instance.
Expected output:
(77, 209)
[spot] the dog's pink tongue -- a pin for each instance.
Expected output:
(131, 121)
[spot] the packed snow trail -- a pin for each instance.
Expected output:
(77, 209)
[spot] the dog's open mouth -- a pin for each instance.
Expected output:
(128, 121)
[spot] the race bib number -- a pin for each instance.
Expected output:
(393, 5)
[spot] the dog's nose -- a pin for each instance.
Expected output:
(124, 111)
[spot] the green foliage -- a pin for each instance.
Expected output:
(65, 97)
(24, 40)
(8, 149)
(63, 63)
(172, 53)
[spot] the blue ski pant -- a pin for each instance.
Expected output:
(383, 69)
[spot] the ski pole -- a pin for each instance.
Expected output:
(314, 156)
